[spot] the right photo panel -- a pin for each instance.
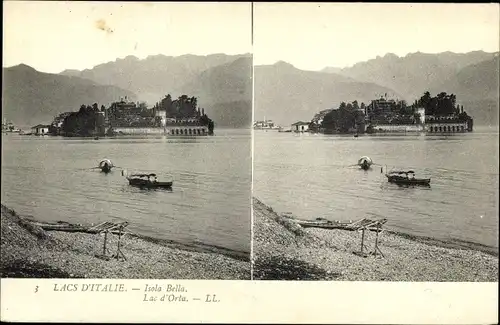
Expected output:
(376, 143)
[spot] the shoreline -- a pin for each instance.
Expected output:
(28, 251)
(283, 250)
(452, 243)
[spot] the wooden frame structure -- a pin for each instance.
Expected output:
(110, 227)
(360, 225)
(373, 225)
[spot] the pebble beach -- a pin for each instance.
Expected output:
(283, 250)
(28, 251)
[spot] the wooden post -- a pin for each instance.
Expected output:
(119, 251)
(119, 239)
(362, 239)
(105, 240)
(376, 239)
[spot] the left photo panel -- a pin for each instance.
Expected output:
(126, 140)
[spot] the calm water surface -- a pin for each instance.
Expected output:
(49, 178)
(309, 176)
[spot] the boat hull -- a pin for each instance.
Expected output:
(106, 169)
(148, 184)
(417, 181)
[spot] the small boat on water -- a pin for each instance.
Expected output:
(364, 163)
(105, 165)
(147, 181)
(406, 178)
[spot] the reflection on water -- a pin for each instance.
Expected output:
(49, 177)
(309, 175)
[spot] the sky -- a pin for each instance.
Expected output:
(313, 36)
(53, 36)
(58, 35)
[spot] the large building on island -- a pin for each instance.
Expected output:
(438, 114)
(168, 117)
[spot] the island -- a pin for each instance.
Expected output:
(428, 114)
(178, 117)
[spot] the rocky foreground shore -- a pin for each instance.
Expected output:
(283, 250)
(29, 251)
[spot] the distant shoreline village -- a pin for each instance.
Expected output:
(265, 125)
(178, 117)
(435, 115)
(9, 127)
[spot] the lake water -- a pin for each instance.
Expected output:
(48, 177)
(309, 175)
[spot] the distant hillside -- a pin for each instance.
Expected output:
(236, 114)
(473, 77)
(414, 73)
(225, 92)
(477, 86)
(31, 97)
(332, 70)
(153, 77)
(286, 94)
(222, 83)
(478, 81)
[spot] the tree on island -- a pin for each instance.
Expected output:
(185, 107)
(441, 104)
(182, 107)
(81, 123)
(363, 108)
(355, 105)
(343, 119)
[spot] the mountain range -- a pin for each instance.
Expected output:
(31, 97)
(155, 76)
(283, 93)
(472, 76)
(414, 73)
(286, 94)
(221, 82)
(225, 91)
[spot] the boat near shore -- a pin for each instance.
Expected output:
(373, 225)
(406, 178)
(147, 180)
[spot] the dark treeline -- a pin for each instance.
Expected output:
(353, 117)
(182, 107)
(90, 120)
(440, 105)
(84, 122)
(347, 116)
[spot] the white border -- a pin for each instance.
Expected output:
(256, 302)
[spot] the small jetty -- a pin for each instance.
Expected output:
(360, 225)
(91, 229)
(369, 224)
